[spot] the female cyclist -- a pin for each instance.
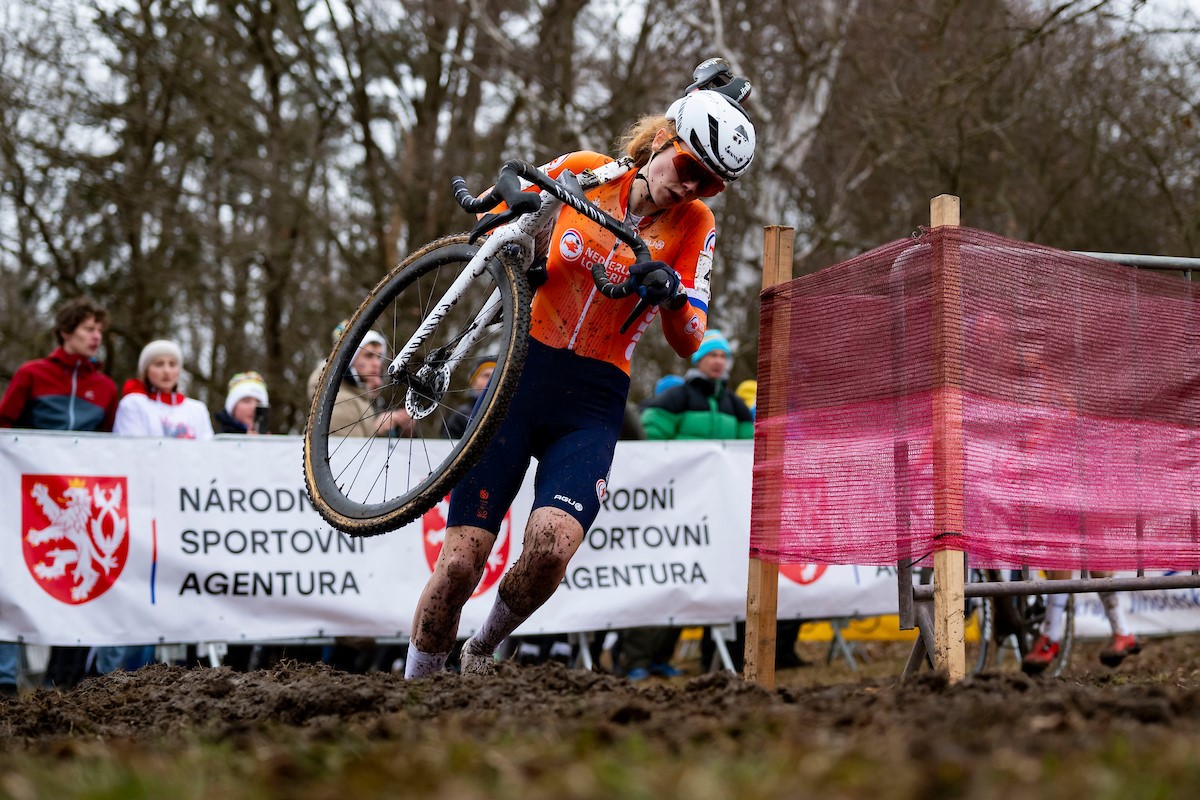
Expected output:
(570, 400)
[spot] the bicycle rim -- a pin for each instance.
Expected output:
(979, 630)
(1067, 644)
(370, 485)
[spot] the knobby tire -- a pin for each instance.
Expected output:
(329, 491)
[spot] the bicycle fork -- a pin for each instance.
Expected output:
(430, 378)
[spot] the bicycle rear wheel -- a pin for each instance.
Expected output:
(369, 485)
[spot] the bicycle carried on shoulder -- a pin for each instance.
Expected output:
(451, 302)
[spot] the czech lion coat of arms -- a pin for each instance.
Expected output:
(76, 533)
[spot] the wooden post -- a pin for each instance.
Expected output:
(948, 563)
(762, 588)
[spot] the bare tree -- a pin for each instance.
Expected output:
(237, 173)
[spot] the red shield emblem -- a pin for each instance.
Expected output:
(75, 533)
(433, 524)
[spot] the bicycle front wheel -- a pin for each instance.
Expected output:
(378, 456)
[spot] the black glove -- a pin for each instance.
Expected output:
(656, 281)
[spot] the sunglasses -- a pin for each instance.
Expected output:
(690, 170)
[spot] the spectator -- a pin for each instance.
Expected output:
(456, 424)
(700, 407)
(355, 414)
(354, 411)
(153, 404)
(660, 386)
(748, 391)
(66, 391)
(247, 393)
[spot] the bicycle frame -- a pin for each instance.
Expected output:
(513, 241)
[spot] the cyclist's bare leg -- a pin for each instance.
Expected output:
(1110, 601)
(551, 538)
(1055, 626)
(457, 572)
(1045, 648)
(1123, 642)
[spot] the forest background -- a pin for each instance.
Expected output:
(236, 174)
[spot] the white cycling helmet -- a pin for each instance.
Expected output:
(717, 130)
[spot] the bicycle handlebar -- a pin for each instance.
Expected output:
(508, 190)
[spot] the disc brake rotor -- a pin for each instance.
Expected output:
(426, 390)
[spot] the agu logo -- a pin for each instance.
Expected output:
(433, 527)
(570, 245)
(76, 533)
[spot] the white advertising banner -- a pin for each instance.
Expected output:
(113, 540)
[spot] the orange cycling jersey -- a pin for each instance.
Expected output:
(569, 313)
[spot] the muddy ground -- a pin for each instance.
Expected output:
(309, 731)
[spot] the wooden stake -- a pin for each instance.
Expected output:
(762, 587)
(948, 563)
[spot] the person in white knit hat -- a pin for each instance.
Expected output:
(354, 412)
(247, 394)
(152, 404)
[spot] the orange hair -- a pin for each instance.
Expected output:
(638, 140)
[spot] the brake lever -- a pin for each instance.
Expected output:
(487, 223)
(519, 204)
(638, 310)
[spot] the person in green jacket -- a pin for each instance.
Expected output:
(701, 406)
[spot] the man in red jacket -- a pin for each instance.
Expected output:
(65, 391)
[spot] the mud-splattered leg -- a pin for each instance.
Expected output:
(551, 539)
(455, 575)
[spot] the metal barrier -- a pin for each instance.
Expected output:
(916, 600)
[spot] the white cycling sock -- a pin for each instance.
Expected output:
(500, 622)
(422, 665)
(1056, 617)
(1116, 615)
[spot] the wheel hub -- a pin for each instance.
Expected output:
(425, 390)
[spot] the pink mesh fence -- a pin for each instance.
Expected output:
(961, 390)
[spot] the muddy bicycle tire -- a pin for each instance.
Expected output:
(353, 481)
